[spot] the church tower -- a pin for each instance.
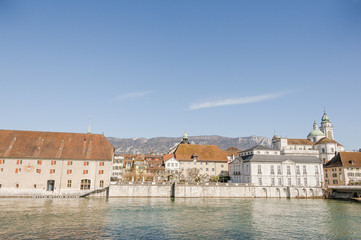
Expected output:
(326, 126)
(315, 134)
(185, 138)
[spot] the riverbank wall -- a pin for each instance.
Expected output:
(211, 190)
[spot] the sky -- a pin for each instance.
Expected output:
(155, 68)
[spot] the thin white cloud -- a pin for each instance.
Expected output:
(237, 101)
(132, 95)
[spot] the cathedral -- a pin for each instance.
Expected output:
(320, 142)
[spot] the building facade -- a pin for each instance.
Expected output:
(320, 142)
(343, 169)
(262, 166)
(37, 163)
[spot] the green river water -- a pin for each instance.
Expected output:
(160, 218)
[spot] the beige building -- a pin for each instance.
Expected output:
(343, 169)
(53, 163)
(209, 159)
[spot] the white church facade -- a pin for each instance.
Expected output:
(320, 142)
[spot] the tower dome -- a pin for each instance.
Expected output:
(325, 118)
(315, 134)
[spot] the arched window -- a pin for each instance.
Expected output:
(85, 184)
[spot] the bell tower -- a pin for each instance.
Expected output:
(326, 126)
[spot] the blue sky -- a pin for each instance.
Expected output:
(154, 68)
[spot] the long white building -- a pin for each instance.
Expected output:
(262, 166)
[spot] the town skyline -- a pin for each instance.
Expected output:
(154, 69)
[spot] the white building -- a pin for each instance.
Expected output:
(261, 166)
(118, 163)
(171, 164)
(319, 142)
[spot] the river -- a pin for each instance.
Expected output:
(192, 218)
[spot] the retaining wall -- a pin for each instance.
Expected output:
(210, 190)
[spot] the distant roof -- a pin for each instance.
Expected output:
(346, 159)
(281, 158)
(327, 140)
(232, 151)
(259, 147)
(166, 157)
(54, 145)
(204, 152)
(294, 141)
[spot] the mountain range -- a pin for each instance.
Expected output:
(161, 145)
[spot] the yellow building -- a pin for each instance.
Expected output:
(53, 163)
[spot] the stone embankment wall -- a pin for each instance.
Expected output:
(143, 189)
(40, 193)
(210, 190)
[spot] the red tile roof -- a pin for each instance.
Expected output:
(54, 145)
(166, 157)
(291, 141)
(327, 140)
(346, 159)
(184, 152)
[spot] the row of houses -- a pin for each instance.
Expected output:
(71, 163)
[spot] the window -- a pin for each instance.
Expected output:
(52, 171)
(206, 163)
(101, 183)
(279, 181)
(298, 181)
(17, 185)
(70, 163)
(222, 166)
(298, 170)
(335, 182)
(213, 169)
(316, 170)
(34, 185)
(38, 170)
(272, 181)
(151, 165)
(289, 182)
(259, 169)
(69, 184)
(176, 164)
(69, 171)
(85, 171)
(172, 164)
(350, 174)
(19, 162)
(288, 170)
(260, 181)
(334, 175)
(326, 175)
(86, 163)
(201, 169)
(272, 170)
(207, 169)
(53, 162)
(317, 182)
(17, 170)
(0, 185)
(101, 172)
(1, 169)
(305, 181)
(85, 184)
(168, 164)
(304, 169)
(279, 170)
(101, 163)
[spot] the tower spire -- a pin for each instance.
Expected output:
(89, 125)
